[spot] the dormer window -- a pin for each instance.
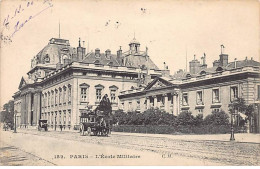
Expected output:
(203, 73)
(188, 76)
(219, 69)
(47, 59)
(97, 53)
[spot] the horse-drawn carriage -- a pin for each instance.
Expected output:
(43, 125)
(92, 123)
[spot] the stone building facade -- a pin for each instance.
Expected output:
(64, 81)
(201, 90)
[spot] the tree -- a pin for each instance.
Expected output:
(217, 118)
(185, 118)
(105, 106)
(239, 106)
(7, 115)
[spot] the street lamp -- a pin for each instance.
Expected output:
(232, 137)
(15, 113)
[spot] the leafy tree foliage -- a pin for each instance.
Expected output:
(7, 115)
(105, 106)
(217, 118)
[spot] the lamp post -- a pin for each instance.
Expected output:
(232, 137)
(15, 113)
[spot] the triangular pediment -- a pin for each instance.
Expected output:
(158, 83)
(22, 83)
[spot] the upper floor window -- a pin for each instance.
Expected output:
(199, 98)
(84, 92)
(56, 97)
(99, 89)
(233, 93)
(215, 96)
(113, 93)
(98, 94)
(69, 94)
(60, 95)
(138, 104)
(52, 97)
(64, 94)
(185, 99)
(258, 92)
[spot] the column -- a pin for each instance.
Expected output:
(166, 105)
(175, 104)
(160, 102)
(155, 101)
(178, 104)
(29, 106)
(148, 103)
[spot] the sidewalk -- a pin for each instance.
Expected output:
(239, 137)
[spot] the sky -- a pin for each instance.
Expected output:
(170, 29)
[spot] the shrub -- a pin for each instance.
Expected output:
(217, 118)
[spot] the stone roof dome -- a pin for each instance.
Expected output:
(52, 52)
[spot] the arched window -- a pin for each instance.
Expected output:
(202, 73)
(219, 69)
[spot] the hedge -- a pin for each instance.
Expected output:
(165, 129)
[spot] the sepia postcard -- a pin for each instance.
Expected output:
(129, 83)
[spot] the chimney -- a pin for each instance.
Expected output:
(108, 52)
(223, 58)
(97, 51)
(203, 59)
(194, 65)
(216, 63)
(119, 52)
(81, 51)
(235, 62)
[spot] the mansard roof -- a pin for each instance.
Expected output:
(242, 63)
(127, 60)
(54, 49)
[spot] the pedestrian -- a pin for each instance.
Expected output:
(61, 127)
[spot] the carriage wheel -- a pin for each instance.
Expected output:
(88, 131)
(82, 132)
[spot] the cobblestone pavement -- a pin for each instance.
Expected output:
(11, 155)
(221, 152)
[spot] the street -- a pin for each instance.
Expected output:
(69, 148)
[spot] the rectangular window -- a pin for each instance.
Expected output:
(185, 99)
(60, 98)
(98, 94)
(215, 96)
(56, 97)
(200, 111)
(64, 117)
(60, 117)
(69, 117)
(49, 99)
(83, 94)
(69, 94)
(64, 95)
(113, 96)
(199, 98)
(52, 98)
(258, 92)
(138, 104)
(130, 106)
(233, 93)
